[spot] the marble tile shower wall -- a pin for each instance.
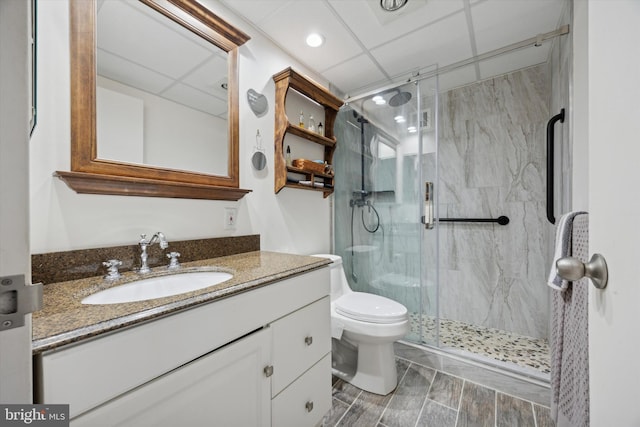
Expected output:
(492, 159)
(491, 163)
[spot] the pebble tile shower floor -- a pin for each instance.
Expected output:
(429, 397)
(501, 346)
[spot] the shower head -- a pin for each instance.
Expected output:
(399, 98)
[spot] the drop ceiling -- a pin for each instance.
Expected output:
(142, 49)
(367, 48)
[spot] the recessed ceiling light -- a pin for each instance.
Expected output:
(399, 119)
(379, 100)
(315, 40)
(392, 5)
(412, 129)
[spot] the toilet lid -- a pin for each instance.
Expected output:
(370, 308)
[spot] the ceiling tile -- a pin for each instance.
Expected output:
(349, 75)
(131, 33)
(290, 27)
(373, 29)
(196, 99)
(445, 42)
(456, 78)
(255, 10)
(514, 60)
(209, 76)
(498, 23)
(130, 74)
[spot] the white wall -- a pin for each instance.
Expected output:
(15, 344)
(294, 221)
(613, 126)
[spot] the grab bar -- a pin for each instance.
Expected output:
(550, 163)
(502, 220)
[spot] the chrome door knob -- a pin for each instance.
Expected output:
(573, 269)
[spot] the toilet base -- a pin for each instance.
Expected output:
(375, 369)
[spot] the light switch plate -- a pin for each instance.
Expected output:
(230, 217)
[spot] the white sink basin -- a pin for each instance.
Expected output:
(158, 287)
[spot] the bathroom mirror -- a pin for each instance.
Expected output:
(199, 89)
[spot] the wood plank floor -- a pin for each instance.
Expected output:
(432, 398)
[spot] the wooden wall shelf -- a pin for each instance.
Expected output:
(284, 80)
(311, 136)
(303, 171)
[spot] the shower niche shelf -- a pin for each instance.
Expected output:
(284, 80)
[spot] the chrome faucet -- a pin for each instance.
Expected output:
(144, 244)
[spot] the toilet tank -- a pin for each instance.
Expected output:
(339, 284)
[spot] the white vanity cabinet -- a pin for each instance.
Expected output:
(259, 358)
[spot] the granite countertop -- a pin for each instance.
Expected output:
(65, 320)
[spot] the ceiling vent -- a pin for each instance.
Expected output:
(392, 5)
(384, 17)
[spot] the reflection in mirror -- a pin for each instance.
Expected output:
(136, 166)
(384, 166)
(161, 91)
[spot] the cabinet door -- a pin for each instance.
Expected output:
(224, 388)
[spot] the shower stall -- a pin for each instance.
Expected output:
(440, 204)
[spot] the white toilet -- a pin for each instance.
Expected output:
(364, 327)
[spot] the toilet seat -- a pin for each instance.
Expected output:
(370, 308)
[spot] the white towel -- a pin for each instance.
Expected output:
(563, 249)
(336, 329)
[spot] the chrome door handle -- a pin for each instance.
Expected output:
(573, 269)
(428, 206)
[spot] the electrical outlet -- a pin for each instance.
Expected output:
(230, 215)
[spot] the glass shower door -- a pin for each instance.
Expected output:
(430, 315)
(381, 167)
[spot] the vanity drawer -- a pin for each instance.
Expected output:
(299, 341)
(307, 400)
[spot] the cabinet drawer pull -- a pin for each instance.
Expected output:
(308, 340)
(268, 371)
(309, 406)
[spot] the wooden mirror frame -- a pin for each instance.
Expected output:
(100, 176)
